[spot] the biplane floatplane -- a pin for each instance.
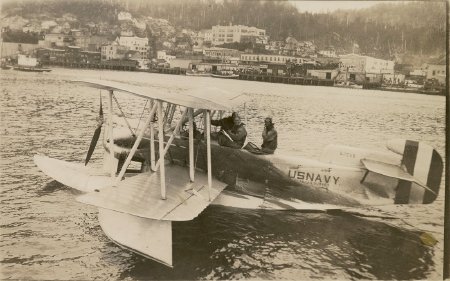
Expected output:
(184, 171)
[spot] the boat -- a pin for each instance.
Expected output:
(29, 64)
(225, 75)
(4, 66)
(183, 171)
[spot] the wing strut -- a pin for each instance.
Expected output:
(135, 145)
(152, 143)
(162, 169)
(169, 142)
(191, 144)
(208, 149)
(111, 138)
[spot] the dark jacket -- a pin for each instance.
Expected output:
(238, 134)
(270, 139)
(224, 123)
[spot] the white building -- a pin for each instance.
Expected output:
(208, 35)
(436, 71)
(234, 33)
(328, 53)
(134, 43)
(365, 64)
(162, 55)
(221, 53)
(124, 16)
(279, 59)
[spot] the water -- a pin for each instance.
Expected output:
(46, 234)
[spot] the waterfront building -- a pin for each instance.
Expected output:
(365, 64)
(134, 43)
(267, 58)
(72, 55)
(113, 51)
(51, 56)
(52, 40)
(393, 79)
(234, 33)
(418, 72)
(436, 71)
(222, 54)
(162, 55)
(323, 73)
(90, 57)
(184, 63)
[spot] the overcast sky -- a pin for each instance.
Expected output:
(324, 6)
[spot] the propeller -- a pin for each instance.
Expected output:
(96, 135)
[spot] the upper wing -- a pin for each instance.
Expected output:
(202, 98)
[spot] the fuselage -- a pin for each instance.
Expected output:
(286, 181)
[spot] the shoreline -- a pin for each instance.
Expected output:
(293, 80)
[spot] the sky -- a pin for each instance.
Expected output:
(324, 6)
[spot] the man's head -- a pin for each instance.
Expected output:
(268, 121)
(236, 120)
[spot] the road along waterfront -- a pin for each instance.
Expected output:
(46, 234)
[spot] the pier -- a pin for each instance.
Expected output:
(286, 79)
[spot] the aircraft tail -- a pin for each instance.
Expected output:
(425, 164)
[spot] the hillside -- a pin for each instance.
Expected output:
(384, 30)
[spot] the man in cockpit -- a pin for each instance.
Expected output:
(225, 123)
(270, 137)
(235, 136)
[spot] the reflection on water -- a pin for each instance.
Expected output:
(46, 234)
(287, 244)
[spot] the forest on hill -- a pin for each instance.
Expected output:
(384, 30)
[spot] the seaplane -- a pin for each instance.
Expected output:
(181, 170)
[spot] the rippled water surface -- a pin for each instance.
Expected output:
(46, 234)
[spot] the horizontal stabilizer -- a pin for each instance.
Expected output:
(74, 175)
(424, 163)
(146, 237)
(392, 171)
(140, 195)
